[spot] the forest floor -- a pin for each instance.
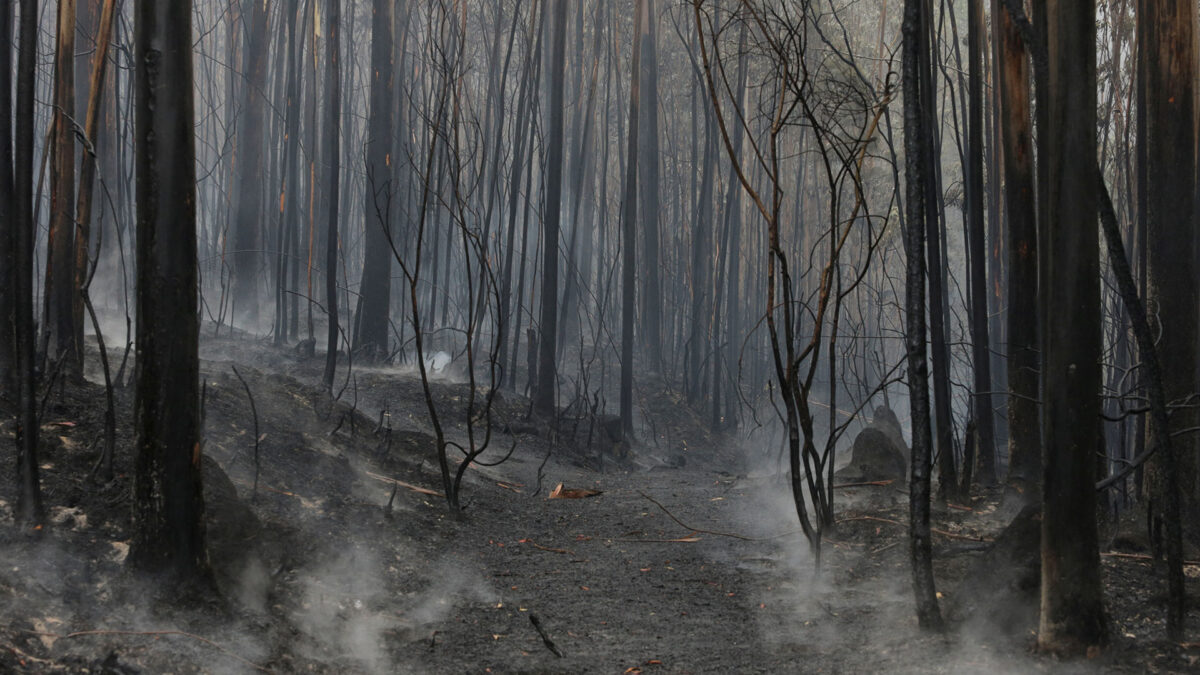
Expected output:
(346, 559)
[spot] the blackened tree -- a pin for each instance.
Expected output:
(168, 501)
(1072, 608)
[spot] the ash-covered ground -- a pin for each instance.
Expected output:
(334, 552)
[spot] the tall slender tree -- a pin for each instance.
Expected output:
(332, 149)
(371, 327)
(545, 394)
(629, 232)
(29, 496)
(936, 272)
(248, 159)
(289, 194)
(88, 166)
(8, 350)
(168, 499)
(648, 159)
(915, 142)
(59, 328)
(980, 344)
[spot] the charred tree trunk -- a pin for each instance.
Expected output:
(371, 321)
(59, 325)
(629, 232)
(87, 172)
(544, 396)
(333, 80)
(168, 499)
(248, 164)
(648, 160)
(289, 193)
(915, 129)
(1072, 609)
(8, 226)
(1171, 222)
(700, 286)
(29, 496)
(935, 273)
(980, 344)
(529, 80)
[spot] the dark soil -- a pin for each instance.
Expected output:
(346, 559)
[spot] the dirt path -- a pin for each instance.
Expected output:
(608, 586)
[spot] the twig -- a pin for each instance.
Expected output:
(254, 411)
(881, 549)
(870, 483)
(537, 624)
(547, 548)
(1143, 556)
(691, 539)
(155, 633)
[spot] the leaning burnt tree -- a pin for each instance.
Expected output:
(830, 101)
(168, 501)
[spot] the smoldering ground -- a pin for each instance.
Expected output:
(716, 579)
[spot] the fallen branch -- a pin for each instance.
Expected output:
(155, 633)
(682, 540)
(572, 493)
(1143, 556)
(546, 548)
(407, 486)
(870, 483)
(277, 491)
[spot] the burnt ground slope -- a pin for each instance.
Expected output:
(334, 552)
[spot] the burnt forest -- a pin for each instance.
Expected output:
(605, 336)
